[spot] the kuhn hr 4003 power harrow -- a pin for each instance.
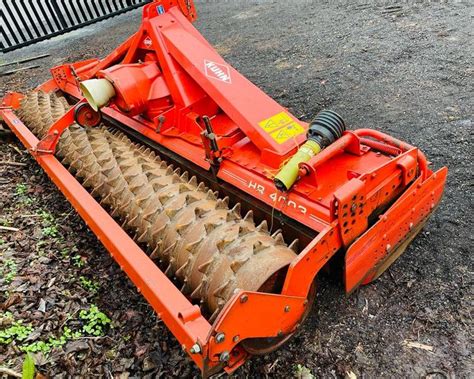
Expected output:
(225, 287)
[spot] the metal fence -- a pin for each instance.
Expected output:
(25, 22)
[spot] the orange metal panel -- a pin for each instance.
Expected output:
(376, 246)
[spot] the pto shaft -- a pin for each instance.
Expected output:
(326, 128)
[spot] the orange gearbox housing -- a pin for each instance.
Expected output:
(139, 87)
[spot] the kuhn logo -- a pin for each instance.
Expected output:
(217, 71)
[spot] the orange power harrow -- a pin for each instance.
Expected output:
(170, 213)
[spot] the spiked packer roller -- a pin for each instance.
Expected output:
(219, 204)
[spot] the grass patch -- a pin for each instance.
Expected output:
(8, 271)
(89, 285)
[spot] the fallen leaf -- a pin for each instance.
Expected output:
(42, 305)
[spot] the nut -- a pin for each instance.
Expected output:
(195, 349)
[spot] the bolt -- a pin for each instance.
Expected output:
(220, 337)
(224, 357)
(305, 303)
(353, 207)
(244, 298)
(236, 338)
(280, 333)
(388, 247)
(287, 308)
(196, 349)
(411, 225)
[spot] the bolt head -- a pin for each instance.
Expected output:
(236, 338)
(195, 349)
(244, 298)
(287, 308)
(220, 337)
(353, 207)
(224, 357)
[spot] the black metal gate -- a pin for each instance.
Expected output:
(28, 21)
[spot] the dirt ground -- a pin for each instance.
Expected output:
(404, 68)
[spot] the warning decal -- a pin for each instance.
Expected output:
(281, 127)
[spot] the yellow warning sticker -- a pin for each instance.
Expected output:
(281, 127)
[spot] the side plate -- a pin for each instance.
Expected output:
(371, 254)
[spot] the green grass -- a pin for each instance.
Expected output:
(8, 271)
(94, 323)
(21, 189)
(16, 332)
(89, 285)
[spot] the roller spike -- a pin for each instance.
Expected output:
(279, 239)
(177, 171)
(185, 176)
(142, 237)
(221, 245)
(168, 269)
(294, 245)
(164, 197)
(157, 231)
(249, 216)
(190, 198)
(218, 291)
(203, 267)
(183, 188)
(199, 212)
(210, 226)
(132, 220)
(214, 315)
(243, 230)
(278, 231)
(236, 209)
(235, 265)
(182, 227)
(156, 251)
(201, 187)
(258, 247)
(179, 271)
(125, 222)
(231, 216)
(210, 195)
(168, 249)
(190, 246)
(170, 212)
(263, 226)
(197, 291)
(222, 203)
(193, 181)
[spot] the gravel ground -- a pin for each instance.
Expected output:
(404, 68)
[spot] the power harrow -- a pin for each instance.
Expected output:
(219, 205)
